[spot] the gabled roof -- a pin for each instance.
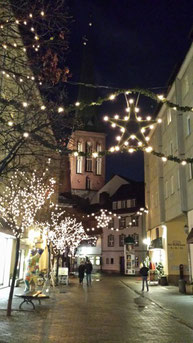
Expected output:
(122, 177)
(133, 190)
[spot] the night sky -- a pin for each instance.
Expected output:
(135, 44)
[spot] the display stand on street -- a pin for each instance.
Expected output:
(63, 276)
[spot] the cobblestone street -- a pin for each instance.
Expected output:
(111, 310)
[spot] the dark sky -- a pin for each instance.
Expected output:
(135, 43)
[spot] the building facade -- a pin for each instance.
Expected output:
(169, 185)
(87, 172)
(123, 198)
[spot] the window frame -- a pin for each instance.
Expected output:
(88, 159)
(110, 243)
(98, 160)
(122, 223)
(188, 127)
(122, 240)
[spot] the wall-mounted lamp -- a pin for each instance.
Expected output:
(186, 229)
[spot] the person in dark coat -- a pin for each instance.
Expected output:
(81, 270)
(144, 273)
(88, 270)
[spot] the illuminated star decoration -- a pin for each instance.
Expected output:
(134, 130)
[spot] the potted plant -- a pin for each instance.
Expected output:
(189, 287)
(162, 278)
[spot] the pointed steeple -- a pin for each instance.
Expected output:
(88, 116)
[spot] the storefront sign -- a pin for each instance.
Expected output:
(176, 245)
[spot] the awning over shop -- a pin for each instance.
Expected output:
(156, 243)
(190, 237)
(129, 240)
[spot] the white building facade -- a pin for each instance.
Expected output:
(169, 185)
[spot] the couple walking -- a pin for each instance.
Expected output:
(85, 267)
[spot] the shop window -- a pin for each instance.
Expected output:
(121, 240)
(107, 260)
(110, 241)
(88, 159)
(122, 223)
(112, 260)
(97, 261)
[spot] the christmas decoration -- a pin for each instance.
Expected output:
(67, 235)
(20, 202)
(134, 129)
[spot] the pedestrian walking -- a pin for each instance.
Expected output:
(88, 270)
(81, 270)
(144, 273)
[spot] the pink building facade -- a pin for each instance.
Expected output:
(87, 172)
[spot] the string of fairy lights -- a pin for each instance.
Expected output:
(104, 218)
(21, 200)
(134, 130)
(68, 234)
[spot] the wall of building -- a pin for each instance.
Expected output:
(175, 197)
(78, 180)
(111, 255)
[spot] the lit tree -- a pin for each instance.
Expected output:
(33, 44)
(20, 202)
(66, 236)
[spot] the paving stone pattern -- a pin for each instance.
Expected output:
(106, 312)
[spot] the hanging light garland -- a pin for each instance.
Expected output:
(133, 129)
(105, 217)
(159, 98)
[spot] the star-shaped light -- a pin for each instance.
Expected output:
(133, 130)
